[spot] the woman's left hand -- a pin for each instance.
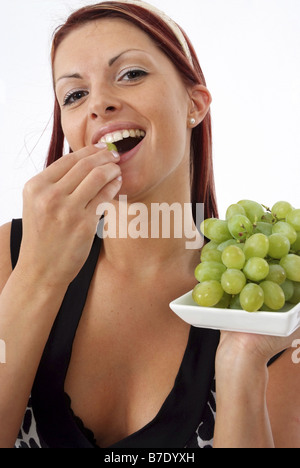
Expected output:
(258, 347)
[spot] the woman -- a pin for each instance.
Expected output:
(95, 358)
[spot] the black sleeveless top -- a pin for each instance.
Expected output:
(186, 418)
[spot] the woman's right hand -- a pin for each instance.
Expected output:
(59, 213)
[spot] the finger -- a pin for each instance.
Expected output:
(98, 205)
(62, 166)
(76, 175)
(94, 182)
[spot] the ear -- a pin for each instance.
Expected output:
(200, 101)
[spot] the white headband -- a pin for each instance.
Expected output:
(174, 26)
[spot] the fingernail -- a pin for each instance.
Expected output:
(101, 145)
(120, 178)
(115, 154)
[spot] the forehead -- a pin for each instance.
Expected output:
(102, 37)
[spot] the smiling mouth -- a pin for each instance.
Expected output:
(124, 140)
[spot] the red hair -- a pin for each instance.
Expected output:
(202, 177)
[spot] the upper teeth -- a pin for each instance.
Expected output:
(121, 134)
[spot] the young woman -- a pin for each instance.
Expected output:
(95, 357)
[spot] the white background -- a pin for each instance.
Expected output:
(250, 54)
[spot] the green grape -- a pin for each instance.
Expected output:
(233, 257)
(256, 246)
(252, 297)
(273, 295)
(286, 308)
(215, 230)
(240, 227)
(267, 217)
(209, 271)
(252, 259)
(263, 228)
(256, 269)
(276, 274)
(234, 209)
(218, 231)
(286, 230)
(204, 226)
(208, 294)
(281, 209)
(291, 264)
(225, 244)
(293, 218)
(224, 302)
(288, 289)
(211, 255)
(209, 246)
(279, 246)
(111, 147)
(254, 211)
(295, 299)
(233, 281)
(235, 302)
(296, 245)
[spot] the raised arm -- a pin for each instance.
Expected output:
(59, 225)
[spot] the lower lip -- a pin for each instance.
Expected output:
(130, 154)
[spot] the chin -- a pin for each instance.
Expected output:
(134, 189)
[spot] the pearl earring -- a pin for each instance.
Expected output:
(192, 121)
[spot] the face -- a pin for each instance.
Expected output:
(111, 80)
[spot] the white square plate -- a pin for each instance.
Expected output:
(263, 323)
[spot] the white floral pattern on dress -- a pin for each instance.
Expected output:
(203, 437)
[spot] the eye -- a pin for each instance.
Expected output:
(74, 96)
(132, 75)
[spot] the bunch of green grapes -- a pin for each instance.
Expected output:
(252, 259)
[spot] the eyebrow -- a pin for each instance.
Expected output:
(110, 64)
(114, 59)
(74, 75)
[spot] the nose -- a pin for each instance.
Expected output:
(103, 104)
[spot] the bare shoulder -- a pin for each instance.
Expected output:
(284, 399)
(5, 258)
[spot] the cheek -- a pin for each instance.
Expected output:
(73, 131)
(173, 128)
(173, 103)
